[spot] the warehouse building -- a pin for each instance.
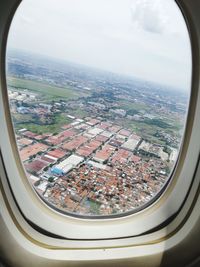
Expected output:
(67, 165)
(131, 143)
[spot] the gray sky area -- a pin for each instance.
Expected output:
(146, 39)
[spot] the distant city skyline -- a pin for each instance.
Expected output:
(140, 38)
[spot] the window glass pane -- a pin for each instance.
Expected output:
(98, 93)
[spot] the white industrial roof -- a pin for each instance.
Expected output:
(94, 131)
(71, 161)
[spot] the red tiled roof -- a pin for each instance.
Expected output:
(121, 156)
(25, 141)
(29, 134)
(104, 125)
(93, 121)
(49, 160)
(87, 149)
(75, 143)
(114, 128)
(66, 126)
(36, 165)
(31, 150)
(59, 138)
(124, 132)
(105, 153)
(135, 158)
(101, 138)
(57, 153)
(115, 142)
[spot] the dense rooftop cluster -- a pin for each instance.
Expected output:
(94, 167)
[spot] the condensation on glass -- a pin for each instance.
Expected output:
(98, 93)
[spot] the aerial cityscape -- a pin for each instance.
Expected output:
(93, 142)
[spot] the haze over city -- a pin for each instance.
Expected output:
(141, 38)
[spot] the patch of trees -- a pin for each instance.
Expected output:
(132, 112)
(157, 122)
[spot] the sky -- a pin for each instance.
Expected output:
(146, 39)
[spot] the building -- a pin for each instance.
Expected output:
(104, 154)
(36, 166)
(132, 142)
(32, 150)
(75, 143)
(67, 165)
(149, 149)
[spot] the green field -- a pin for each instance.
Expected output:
(146, 128)
(127, 105)
(59, 121)
(78, 112)
(48, 92)
(18, 118)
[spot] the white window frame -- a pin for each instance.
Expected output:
(122, 232)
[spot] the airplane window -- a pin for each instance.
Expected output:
(98, 93)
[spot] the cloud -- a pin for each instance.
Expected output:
(149, 15)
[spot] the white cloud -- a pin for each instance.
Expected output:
(149, 15)
(142, 38)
